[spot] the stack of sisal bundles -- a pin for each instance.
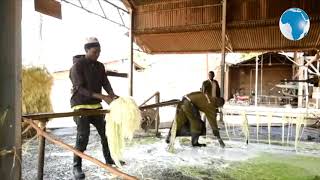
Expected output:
(124, 119)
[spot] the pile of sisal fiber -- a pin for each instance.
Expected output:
(124, 119)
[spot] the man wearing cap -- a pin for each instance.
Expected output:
(88, 76)
(188, 116)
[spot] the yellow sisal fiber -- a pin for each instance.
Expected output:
(124, 119)
(269, 126)
(299, 122)
(173, 136)
(258, 124)
(245, 126)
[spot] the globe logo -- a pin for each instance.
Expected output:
(294, 24)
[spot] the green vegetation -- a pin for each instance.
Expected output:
(276, 166)
(267, 167)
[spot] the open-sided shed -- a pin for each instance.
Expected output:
(191, 26)
(273, 68)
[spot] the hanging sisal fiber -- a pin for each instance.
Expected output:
(124, 119)
(36, 89)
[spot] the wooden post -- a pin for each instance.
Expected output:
(10, 91)
(223, 44)
(41, 151)
(131, 53)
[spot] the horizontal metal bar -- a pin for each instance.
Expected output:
(46, 116)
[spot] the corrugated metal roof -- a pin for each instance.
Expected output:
(184, 26)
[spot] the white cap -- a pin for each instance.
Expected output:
(90, 40)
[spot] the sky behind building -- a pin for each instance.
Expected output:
(51, 42)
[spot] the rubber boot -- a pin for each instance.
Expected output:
(194, 140)
(109, 159)
(77, 170)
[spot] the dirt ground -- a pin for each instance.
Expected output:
(148, 158)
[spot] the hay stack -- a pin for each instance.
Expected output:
(36, 88)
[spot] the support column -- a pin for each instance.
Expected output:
(261, 76)
(301, 75)
(41, 151)
(223, 45)
(131, 53)
(207, 66)
(256, 83)
(318, 88)
(10, 91)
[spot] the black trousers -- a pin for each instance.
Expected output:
(83, 132)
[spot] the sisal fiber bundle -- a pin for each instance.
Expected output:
(124, 119)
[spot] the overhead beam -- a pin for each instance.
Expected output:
(116, 6)
(129, 4)
(94, 13)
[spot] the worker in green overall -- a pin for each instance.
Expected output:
(188, 117)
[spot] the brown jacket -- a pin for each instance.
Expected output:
(211, 88)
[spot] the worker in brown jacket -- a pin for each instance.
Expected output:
(188, 116)
(211, 86)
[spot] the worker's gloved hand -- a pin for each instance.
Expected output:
(114, 96)
(108, 99)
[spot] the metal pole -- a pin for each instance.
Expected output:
(318, 92)
(301, 74)
(256, 83)
(158, 114)
(261, 70)
(131, 53)
(10, 91)
(207, 66)
(306, 85)
(41, 151)
(250, 93)
(223, 45)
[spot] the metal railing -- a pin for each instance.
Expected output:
(43, 118)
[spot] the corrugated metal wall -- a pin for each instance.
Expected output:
(173, 26)
(177, 13)
(203, 12)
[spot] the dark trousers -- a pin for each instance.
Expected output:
(83, 132)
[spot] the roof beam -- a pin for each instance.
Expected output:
(129, 4)
(119, 8)
(91, 12)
